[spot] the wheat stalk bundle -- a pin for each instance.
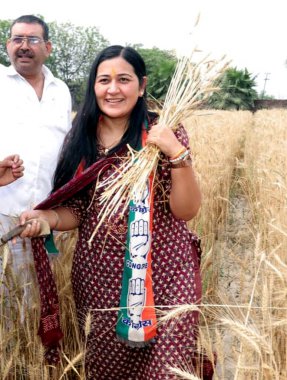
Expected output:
(190, 86)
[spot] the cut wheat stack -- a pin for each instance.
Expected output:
(190, 86)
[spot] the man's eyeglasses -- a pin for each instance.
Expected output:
(30, 40)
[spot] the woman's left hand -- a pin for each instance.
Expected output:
(164, 138)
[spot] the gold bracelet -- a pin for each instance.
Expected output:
(182, 150)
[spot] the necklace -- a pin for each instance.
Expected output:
(104, 148)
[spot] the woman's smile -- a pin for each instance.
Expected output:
(117, 88)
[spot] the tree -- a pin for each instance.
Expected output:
(236, 91)
(160, 68)
(4, 35)
(74, 50)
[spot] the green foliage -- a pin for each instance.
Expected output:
(160, 68)
(4, 35)
(74, 50)
(236, 91)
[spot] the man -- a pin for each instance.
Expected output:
(35, 117)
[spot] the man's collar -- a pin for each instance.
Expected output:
(49, 77)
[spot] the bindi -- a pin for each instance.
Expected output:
(113, 73)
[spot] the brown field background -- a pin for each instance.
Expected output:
(240, 160)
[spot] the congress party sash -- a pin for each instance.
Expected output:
(137, 319)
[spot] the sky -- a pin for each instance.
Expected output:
(251, 33)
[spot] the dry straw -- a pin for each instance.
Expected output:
(181, 374)
(190, 86)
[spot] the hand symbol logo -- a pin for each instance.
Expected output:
(136, 299)
(139, 239)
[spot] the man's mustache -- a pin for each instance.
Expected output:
(25, 53)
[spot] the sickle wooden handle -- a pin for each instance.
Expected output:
(45, 230)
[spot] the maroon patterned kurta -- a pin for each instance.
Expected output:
(97, 276)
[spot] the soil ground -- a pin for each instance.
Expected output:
(235, 247)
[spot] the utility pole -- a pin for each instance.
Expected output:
(265, 80)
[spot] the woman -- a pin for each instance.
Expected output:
(113, 115)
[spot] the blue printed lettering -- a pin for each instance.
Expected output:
(137, 326)
(133, 265)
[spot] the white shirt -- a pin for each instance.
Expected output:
(34, 129)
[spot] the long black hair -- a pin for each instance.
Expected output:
(81, 142)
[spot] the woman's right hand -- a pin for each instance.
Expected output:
(32, 229)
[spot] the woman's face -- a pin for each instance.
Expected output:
(117, 88)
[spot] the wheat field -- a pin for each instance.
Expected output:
(240, 160)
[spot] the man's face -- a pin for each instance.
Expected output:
(28, 56)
